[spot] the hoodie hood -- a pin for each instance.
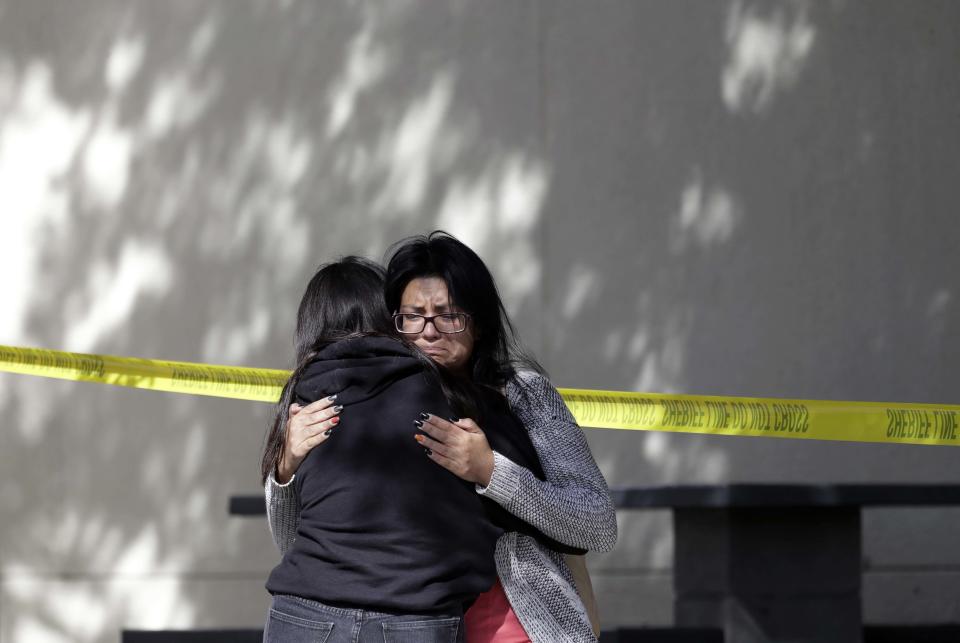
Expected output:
(356, 369)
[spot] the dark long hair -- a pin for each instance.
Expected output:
(343, 300)
(497, 353)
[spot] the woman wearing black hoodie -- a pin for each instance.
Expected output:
(389, 546)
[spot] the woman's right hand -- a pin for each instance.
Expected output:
(307, 427)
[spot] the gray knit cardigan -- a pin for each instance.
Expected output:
(572, 505)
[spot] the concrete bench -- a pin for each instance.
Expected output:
(769, 562)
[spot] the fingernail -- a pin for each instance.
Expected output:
(418, 423)
(332, 398)
(328, 432)
(424, 416)
(427, 451)
(338, 408)
(454, 420)
(418, 437)
(335, 420)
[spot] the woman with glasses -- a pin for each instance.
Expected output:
(536, 596)
(445, 302)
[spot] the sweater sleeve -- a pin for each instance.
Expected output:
(283, 512)
(573, 505)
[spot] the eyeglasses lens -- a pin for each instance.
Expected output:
(446, 323)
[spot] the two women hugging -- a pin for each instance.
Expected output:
(424, 480)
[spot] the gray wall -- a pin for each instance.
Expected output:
(739, 197)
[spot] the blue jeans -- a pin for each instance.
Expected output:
(298, 620)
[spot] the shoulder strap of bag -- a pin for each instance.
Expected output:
(581, 577)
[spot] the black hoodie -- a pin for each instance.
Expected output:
(382, 527)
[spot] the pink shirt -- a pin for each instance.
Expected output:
(491, 619)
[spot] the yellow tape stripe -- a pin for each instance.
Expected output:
(259, 384)
(756, 417)
(767, 417)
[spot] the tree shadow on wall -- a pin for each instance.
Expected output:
(758, 167)
(175, 172)
(172, 174)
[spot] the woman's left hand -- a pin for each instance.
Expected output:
(461, 447)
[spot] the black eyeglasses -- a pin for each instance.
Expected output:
(449, 323)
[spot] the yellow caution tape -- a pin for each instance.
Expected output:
(767, 417)
(758, 417)
(260, 384)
